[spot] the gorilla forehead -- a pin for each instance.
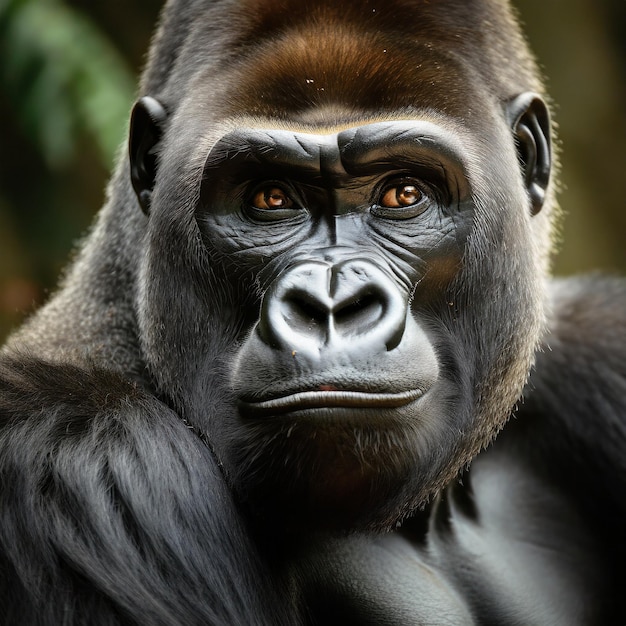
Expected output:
(292, 75)
(372, 55)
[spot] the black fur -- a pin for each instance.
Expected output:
(114, 511)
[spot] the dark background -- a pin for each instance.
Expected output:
(67, 78)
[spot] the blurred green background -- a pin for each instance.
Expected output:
(68, 70)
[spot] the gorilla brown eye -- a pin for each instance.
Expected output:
(400, 200)
(402, 195)
(271, 198)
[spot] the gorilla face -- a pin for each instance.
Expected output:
(349, 304)
(336, 379)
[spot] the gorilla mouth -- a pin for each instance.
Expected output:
(328, 398)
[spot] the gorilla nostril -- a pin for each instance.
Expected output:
(304, 312)
(360, 314)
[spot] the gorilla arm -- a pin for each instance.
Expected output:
(112, 507)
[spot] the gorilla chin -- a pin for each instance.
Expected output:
(320, 467)
(314, 457)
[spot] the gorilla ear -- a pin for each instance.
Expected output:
(530, 122)
(147, 122)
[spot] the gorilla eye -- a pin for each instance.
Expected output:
(401, 196)
(271, 198)
(272, 202)
(401, 199)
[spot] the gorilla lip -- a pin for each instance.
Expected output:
(331, 399)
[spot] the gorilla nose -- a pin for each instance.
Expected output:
(345, 308)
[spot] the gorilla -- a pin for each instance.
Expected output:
(268, 388)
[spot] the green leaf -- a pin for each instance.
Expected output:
(63, 77)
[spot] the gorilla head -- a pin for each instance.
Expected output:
(346, 236)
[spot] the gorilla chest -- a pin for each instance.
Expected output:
(506, 550)
(516, 548)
